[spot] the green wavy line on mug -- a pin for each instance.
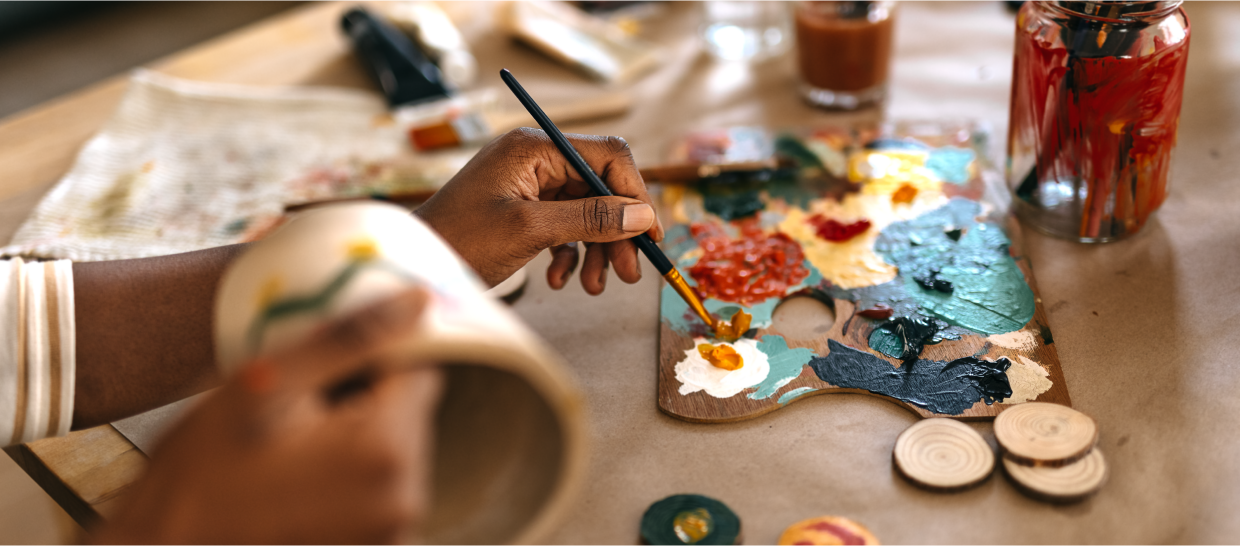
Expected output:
(286, 307)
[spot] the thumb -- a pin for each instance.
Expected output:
(592, 219)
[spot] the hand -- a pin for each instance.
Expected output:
(518, 196)
(327, 442)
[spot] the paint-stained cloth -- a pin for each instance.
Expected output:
(186, 165)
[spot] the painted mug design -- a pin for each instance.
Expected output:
(506, 392)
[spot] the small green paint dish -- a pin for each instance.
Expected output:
(690, 519)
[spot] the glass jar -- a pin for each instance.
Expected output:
(746, 31)
(1096, 93)
(844, 52)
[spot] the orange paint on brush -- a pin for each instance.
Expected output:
(734, 329)
(721, 356)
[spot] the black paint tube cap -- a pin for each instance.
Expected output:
(403, 71)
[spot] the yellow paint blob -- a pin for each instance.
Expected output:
(847, 264)
(269, 291)
(692, 526)
(362, 250)
(721, 356)
(884, 172)
(1117, 127)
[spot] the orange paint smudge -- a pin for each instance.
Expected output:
(905, 194)
(732, 331)
(721, 356)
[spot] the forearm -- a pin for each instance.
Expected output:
(144, 332)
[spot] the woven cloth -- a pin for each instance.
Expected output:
(187, 165)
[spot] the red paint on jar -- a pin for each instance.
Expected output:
(1109, 122)
(749, 269)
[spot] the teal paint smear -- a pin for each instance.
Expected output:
(676, 312)
(677, 240)
(790, 146)
(886, 342)
(814, 280)
(951, 163)
(988, 293)
(786, 365)
(794, 394)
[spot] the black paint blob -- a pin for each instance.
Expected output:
(941, 387)
(1045, 331)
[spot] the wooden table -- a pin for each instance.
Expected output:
(1145, 328)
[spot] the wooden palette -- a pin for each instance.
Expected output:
(1036, 355)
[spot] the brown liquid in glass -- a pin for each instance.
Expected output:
(842, 54)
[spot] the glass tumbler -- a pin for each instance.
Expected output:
(746, 31)
(1096, 93)
(844, 52)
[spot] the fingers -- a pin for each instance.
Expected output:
(593, 220)
(594, 269)
(350, 345)
(623, 257)
(608, 156)
(563, 263)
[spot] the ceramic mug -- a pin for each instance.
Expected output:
(510, 440)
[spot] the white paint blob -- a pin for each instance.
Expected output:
(697, 374)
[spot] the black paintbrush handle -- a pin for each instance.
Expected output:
(643, 241)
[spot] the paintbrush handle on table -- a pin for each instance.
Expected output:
(643, 241)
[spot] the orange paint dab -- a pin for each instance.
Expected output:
(905, 194)
(721, 356)
(732, 331)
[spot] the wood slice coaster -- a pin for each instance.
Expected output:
(1041, 434)
(943, 454)
(1065, 483)
(690, 519)
(827, 530)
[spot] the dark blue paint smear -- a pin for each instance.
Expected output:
(941, 387)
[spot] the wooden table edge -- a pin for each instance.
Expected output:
(59, 466)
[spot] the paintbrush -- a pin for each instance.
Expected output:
(643, 241)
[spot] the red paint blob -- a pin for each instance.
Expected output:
(747, 270)
(878, 312)
(836, 231)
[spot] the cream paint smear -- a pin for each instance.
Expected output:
(1028, 380)
(853, 263)
(1020, 340)
(697, 374)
